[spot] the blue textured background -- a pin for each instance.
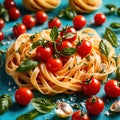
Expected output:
(7, 83)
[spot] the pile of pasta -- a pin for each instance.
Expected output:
(85, 6)
(69, 78)
(40, 5)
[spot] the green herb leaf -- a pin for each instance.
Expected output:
(61, 13)
(5, 103)
(54, 34)
(104, 49)
(68, 51)
(111, 37)
(27, 65)
(118, 11)
(118, 73)
(112, 8)
(42, 105)
(115, 25)
(29, 116)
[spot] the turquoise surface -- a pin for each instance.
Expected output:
(7, 84)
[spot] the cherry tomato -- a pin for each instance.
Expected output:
(1, 36)
(41, 17)
(69, 34)
(29, 21)
(23, 96)
(91, 86)
(99, 18)
(43, 53)
(55, 22)
(79, 21)
(2, 23)
(84, 48)
(112, 88)
(80, 115)
(19, 29)
(54, 64)
(14, 13)
(9, 4)
(94, 105)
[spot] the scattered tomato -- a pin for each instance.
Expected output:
(29, 21)
(1, 36)
(19, 29)
(23, 96)
(41, 17)
(55, 22)
(2, 23)
(94, 105)
(91, 86)
(80, 115)
(84, 48)
(112, 88)
(9, 4)
(54, 64)
(79, 21)
(99, 18)
(14, 13)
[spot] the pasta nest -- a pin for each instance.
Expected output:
(40, 5)
(85, 6)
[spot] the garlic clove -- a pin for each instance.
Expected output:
(63, 110)
(115, 107)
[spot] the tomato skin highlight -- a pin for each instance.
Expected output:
(23, 96)
(1, 36)
(9, 4)
(2, 23)
(112, 88)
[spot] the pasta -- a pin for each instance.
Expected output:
(69, 78)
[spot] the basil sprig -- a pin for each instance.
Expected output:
(43, 105)
(104, 49)
(115, 25)
(27, 65)
(54, 34)
(111, 37)
(5, 103)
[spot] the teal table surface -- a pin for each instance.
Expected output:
(7, 84)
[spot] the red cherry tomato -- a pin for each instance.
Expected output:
(9, 4)
(19, 29)
(84, 48)
(29, 21)
(79, 21)
(94, 105)
(80, 115)
(1, 36)
(112, 88)
(54, 64)
(41, 17)
(69, 34)
(55, 22)
(2, 23)
(99, 18)
(91, 86)
(14, 13)
(23, 96)
(43, 53)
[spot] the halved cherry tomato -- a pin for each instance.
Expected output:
(29, 21)
(91, 86)
(99, 18)
(84, 48)
(69, 34)
(80, 115)
(94, 105)
(43, 53)
(1, 36)
(54, 64)
(2, 23)
(9, 4)
(55, 22)
(23, 96)
(112, 88)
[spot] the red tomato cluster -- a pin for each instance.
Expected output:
(1, 27)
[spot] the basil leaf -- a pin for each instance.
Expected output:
(112, 8)
(61, 13)
(68, 51)
(104, 49)
(111, 37)
(42, 105)
(54, 33)
(115, 25)
(118, 73)
(5, 103)
(27, 65)
(118, 11)
(29, 116)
